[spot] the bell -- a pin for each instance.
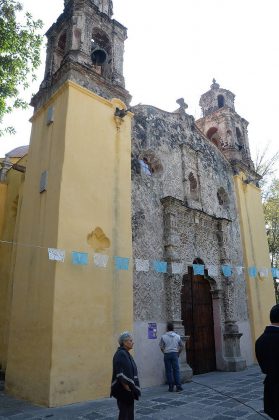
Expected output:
(98, 57)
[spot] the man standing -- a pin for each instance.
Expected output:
(171, 345)
(125, 383)
(267, 352)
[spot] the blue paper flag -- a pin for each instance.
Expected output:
(160, 266)
(198, 269)
(121, 263)
(252, 271)
(275, 273)
(227, 270)
(79, 258)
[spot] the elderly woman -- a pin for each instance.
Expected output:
(125, 383)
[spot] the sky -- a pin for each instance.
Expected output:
(175, 48)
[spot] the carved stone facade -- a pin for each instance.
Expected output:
(184, 208)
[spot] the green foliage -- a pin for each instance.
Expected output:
(20, 45)
(271, 212)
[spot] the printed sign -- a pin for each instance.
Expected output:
(152, 330)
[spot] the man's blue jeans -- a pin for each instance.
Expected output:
(172, 369)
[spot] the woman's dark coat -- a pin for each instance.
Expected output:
(267, 352)
(124, 372)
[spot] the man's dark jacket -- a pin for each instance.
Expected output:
(124, 372)
(267, 352)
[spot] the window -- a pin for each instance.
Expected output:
(221, 101)
(149, 163)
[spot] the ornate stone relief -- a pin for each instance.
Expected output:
(146, 288)
(171, 225)
(173, 284)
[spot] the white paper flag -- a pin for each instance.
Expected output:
(56, 254)
(101, 260)
(176, 268)
(239, 270)
(263, 272)
(213, 270)
(142, 265)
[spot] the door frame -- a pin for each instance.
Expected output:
(217, 319)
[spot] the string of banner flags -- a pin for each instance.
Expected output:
(143, 265)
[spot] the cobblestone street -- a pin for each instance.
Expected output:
(215, 396)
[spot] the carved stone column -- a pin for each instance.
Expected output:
(186, 372)
(231, 335)
(174, 282)
(232, 355)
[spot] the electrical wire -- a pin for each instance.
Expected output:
(232, 398)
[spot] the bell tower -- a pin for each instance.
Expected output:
(77, 184)
(224, 127)
(85, 46)
(228, 131)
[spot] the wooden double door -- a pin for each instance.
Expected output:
(197, 316)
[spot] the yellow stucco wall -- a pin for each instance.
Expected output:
(3, 198)
(260, 291)
(12, 160)
(66, 318)
(10, 199)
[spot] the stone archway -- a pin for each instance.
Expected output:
(198, 319)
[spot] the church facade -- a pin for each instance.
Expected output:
(184, 212)
(154, 186)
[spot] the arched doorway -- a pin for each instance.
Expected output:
(197, 316)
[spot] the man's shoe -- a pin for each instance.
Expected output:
(179, 389)
(170, 388)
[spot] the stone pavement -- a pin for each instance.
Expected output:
(215, 396)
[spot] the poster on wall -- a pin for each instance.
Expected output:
(152, 330)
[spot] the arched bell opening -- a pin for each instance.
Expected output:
(221, 101)
(239, 143)
(98, 57)
(62, 42)
(59, 51)
(213, 135)
(101, 52)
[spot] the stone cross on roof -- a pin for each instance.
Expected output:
(182, 104)
(214, 85)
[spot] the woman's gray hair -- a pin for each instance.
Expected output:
(123, 337)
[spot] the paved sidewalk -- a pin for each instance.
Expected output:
(215, 396)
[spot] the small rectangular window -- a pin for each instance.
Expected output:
(50, 115)
(43, 181)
